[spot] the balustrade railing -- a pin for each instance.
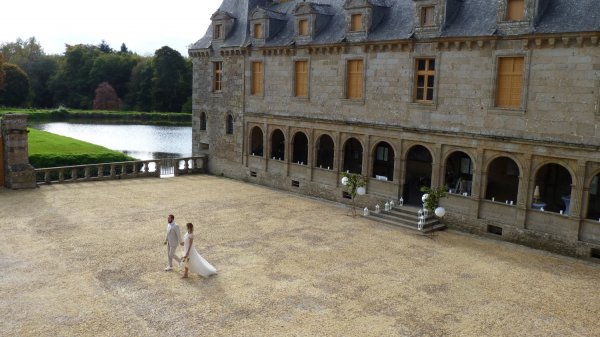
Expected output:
(122, 170)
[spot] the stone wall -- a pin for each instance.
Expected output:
(18, 173)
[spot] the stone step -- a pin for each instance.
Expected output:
(407, 217)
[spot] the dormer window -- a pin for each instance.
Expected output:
(222, 23)
(515, 10)
(427, 18)
(356, 23)
(258, 31)
(303, 27)
(218, 33)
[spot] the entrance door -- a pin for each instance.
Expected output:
(1, 161)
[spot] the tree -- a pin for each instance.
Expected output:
(140, 86)
(106, 98)
(124, 49)
(1, 73)
(29, 56)
(113, 68)
(16, 86)
(71, 84)
(105, 48)
(168, 79)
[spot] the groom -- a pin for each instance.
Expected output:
(173, 238)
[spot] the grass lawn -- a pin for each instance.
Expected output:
(62, 114)
(50, 150)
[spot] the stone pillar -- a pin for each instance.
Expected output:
(18, 173)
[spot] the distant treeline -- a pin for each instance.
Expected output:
(94, 77)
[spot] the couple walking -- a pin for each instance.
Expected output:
(192, 261)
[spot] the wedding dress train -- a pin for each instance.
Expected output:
(197, 264)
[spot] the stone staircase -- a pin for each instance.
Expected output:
(407, 217)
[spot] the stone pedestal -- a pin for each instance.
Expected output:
(18, 173)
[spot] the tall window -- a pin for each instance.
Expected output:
(301, 79)
(515, 10)
(218, 76)
(258, 31)
(203, 121)
(425, 80)
(218, 32)
(229, 125)
(510, 82)
(354, 86)
(427, 16)
(356, 23)
(303, 27)
(257, 79)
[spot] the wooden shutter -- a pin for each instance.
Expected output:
(510, 82)
(355, 79)
(427, 16)
(301, 77)
(257, 78)
(258, 31)
(515, 10)
(356, 23)
(218, 31)
(303, 27)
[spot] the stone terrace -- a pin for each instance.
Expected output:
(87, 259)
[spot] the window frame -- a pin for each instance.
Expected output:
(526, 55)
(360, 22)
(347, 79)
(217, 77)
(259, 25)
(295, 95)
(229, 124)
(218, 31)
(423, 16)
(507, 16)
(253, 81)
(426, 72)
(301, 32)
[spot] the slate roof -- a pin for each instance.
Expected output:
(472, 18)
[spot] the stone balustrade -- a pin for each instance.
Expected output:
(122, 170)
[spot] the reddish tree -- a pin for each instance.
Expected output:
(106, 98)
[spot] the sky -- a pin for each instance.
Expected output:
(143, 25)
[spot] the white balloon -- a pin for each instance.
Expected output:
(440, 212)
(345, 181)
(424, 197)
(361, 191)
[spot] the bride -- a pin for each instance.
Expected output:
(193, 261)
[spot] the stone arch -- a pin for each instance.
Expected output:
(458, 177)
(418, 172)
(503, 174)
(593, 204)
(325, 151)
(552, 187)
(203, 121)
(277, 145)
(256, 141)
(383, 160)
(353, 156)
(300, 148)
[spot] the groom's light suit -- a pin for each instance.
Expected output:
(173, 240)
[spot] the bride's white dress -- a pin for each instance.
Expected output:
(197, 264)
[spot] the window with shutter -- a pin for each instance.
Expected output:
(303, 27)
(515, 10)
(509, 83)
(301, 79)
(257, 79)
(356, 23)
(354, 87)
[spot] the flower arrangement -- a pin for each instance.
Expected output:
(431, 199)
(355, 185)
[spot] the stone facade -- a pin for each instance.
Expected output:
(546, 146)
(17, 171)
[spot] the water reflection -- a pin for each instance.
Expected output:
(139, 141)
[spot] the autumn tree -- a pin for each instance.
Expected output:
(106, 98)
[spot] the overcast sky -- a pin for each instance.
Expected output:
(143, 25)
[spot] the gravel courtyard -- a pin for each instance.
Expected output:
(87, 260)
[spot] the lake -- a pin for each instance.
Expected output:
(139, 141)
